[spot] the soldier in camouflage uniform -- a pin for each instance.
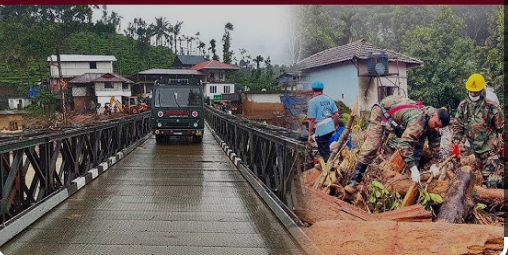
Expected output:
(410, 122)
(481, 121)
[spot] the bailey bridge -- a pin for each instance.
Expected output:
(111, 189)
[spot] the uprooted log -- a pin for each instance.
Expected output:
(458, 200)
(490, 196)
(400, 183)
(313, 206)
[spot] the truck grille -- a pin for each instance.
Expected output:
(177, 125)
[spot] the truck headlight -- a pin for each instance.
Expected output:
(159, 124)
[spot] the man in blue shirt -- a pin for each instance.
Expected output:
(322, 114)
(335, 137)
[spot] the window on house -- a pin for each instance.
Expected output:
(227, 89)
(221, 76)
(213, 89)
(125, 86)
(108, 85)
(93, 65)
(384, 91)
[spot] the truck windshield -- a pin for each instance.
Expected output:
(178, 97)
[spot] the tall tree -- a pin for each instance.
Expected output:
(176, 31)
(448, 60)
(214, 50)
(160, 30)
(317, 30)
(226, 39)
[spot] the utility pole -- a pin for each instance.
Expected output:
(60, 77)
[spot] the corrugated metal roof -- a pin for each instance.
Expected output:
(190, 59)
(214, 64)
(100, 77)
(359, 49)
(172, 71)
(81, 58)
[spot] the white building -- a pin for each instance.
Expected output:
(358, 69)
(74, 65)
(215, 77)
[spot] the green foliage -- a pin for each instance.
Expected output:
(344, 117)
(343, 108)
(480, 207)
(381, 199)
(34, 110)
(428, 200)
(27, 44)
(227, 54)
(448, 61)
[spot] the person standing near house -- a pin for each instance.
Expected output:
(92, 106)
(98, 109)
(411, 123)
(83, 109)
(481, 121)
(322, 114)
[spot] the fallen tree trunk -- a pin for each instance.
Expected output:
(489, 196)
(399, 183)
(458, 198)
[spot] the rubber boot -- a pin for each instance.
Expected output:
(357, 177)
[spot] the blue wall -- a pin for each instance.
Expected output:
(338, 79)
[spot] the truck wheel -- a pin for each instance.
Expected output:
(159, 138)
(197, 139)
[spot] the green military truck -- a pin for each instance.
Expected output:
(177, 109)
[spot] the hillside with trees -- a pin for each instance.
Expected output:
(453, 42)
(32, 33)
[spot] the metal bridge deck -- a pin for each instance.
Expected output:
(161, 199)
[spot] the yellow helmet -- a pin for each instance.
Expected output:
(475, 83)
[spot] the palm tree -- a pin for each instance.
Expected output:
(176, 31)
(258, 60)
(160, 30)
(201, 48)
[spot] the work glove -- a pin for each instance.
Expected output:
(333, 145)
(415, 174)
(434, 169)
(455, 151)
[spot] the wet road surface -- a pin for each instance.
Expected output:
(175, 198)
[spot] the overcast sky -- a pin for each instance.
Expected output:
(260, 29)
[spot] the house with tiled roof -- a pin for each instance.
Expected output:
(72, 66)
(358, 69)
(186, 61)
(215, 82)
(98, 87)
(145, 80)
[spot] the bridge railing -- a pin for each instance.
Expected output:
(273, 154)
(35, 166)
